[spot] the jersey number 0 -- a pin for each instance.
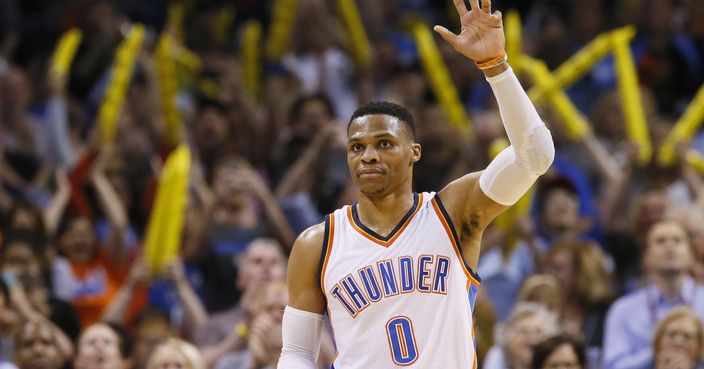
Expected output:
(402, 340)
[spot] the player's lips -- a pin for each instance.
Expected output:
(369, 172)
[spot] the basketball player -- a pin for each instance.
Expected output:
(397, 285)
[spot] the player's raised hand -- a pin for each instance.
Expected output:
(482, 34)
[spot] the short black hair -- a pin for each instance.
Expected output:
(556, 183)
(124, 340)
(27, 237)
(386, 108)
(294, 113)
(544, 349)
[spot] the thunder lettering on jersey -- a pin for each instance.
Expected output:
(404, 299)
(427, 274)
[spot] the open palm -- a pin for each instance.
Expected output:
(482, 34)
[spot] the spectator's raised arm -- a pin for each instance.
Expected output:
(112, 206)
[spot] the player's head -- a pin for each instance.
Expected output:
(386, 108)
(381, 148)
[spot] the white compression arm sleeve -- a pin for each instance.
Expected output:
(516, 168)
(301, 335)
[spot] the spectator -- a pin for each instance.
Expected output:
(544, 290)
(264, 342)
(36, 347)
(22, 261)
(86, 276)
(240, 194)
(528, 324)
(632, 318)
(585, 283)
(151, 329)
(89, 273)
(227, 335)
(194, 314)
(561, 351)
(262, 263)
(678, 340)
(313, 157)
(176, 353)
(101, 347)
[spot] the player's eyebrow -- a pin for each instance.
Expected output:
(357, 138)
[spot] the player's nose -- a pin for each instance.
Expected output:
(370, 154)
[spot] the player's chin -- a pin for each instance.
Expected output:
(372, 188)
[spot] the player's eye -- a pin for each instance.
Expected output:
(356, 147)
(385, 144)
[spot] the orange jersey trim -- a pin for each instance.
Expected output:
(394, 234)
(329, 235)
(446, 223)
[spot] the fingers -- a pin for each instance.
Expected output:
(486, 6)
(459, 5)
(497, 18)
(446, 35)
(474, 4)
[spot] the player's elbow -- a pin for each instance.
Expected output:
(541, 151)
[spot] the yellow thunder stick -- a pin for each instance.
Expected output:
(514, 41)
(355, 29)
(125, 58)
(281, 29)
(574, 68)
(166, 221)
(168, 88)
(684, 129)
(65, 52)
(222, 23)
(174, 19)
(695, 160)
(575, 123)
(439, 78)
(186, 58)
(251, 58)
(636, 126)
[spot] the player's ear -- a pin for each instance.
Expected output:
(415, 155)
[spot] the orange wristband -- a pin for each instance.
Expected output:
(492, 62)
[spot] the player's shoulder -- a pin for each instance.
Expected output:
(461, 184)
(459, 191)
(310, 241)
(311, 234)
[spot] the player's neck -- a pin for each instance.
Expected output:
(384, 212)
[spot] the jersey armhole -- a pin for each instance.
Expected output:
(325, 251)
(452, 233)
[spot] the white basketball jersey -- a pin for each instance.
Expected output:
(401, 300)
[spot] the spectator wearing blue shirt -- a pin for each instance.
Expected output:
(632, 318)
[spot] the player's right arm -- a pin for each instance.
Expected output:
(303, 317)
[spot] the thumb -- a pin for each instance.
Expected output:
(446, 35)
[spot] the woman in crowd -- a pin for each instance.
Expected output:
(561, 351)
(528, 324)
(678, 340)
(36, 347)
(585, 285)
(176, 353)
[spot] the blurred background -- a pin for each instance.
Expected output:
(240, 108)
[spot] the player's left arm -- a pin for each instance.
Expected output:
(475, 199)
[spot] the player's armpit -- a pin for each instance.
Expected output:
(469, 206)
(470, 210)
(303, 271)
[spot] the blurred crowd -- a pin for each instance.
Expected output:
(606, 269)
